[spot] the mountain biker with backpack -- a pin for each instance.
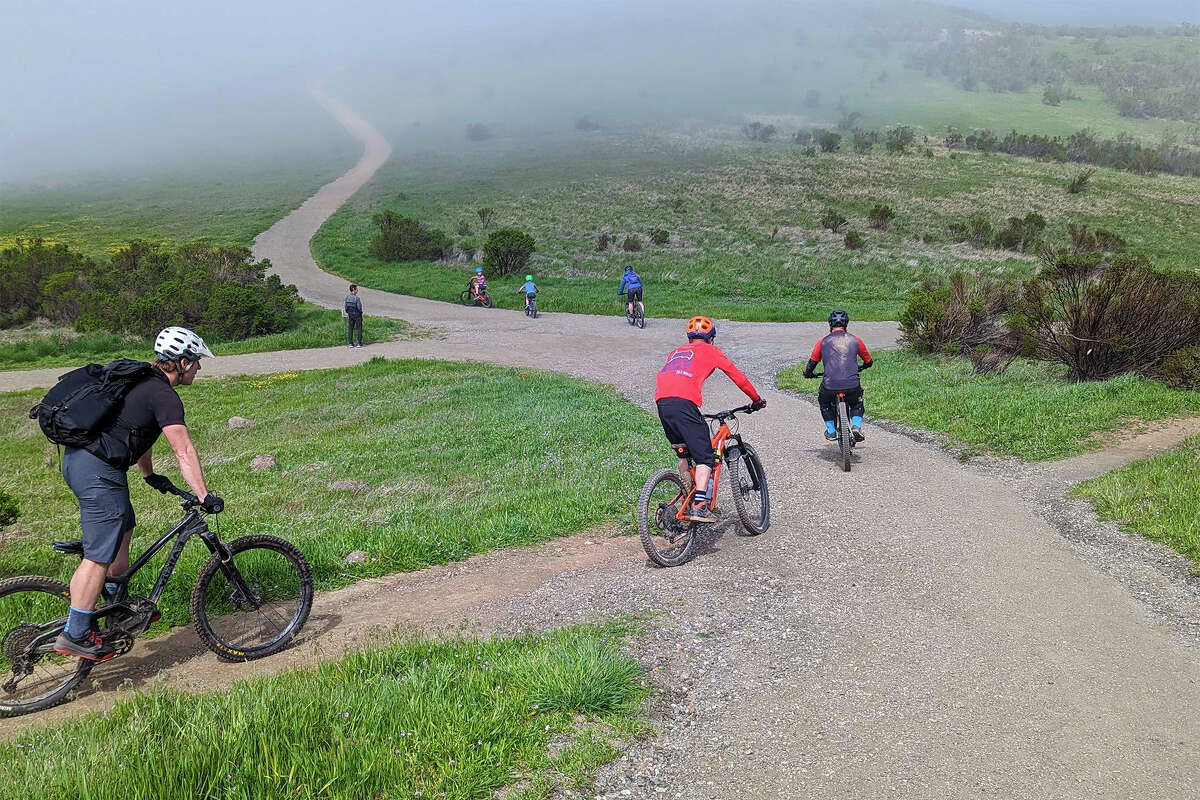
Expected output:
(631, 287)
(678, 389)
(840, 352)
(96, 473)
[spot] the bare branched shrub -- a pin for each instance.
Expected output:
(832, 220)
(486, 216)
(1103, 318)
(964, 316)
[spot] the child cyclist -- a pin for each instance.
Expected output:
(529, 288)
(478, 283)
(840, 352)
(678, 397)
(631, 287)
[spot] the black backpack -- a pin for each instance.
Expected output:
(86, 401)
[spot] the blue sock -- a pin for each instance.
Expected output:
(829, 428)
(78, 623)
(856, 422)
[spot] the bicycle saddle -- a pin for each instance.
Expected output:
(74, 548)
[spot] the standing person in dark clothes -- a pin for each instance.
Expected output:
(354, 315)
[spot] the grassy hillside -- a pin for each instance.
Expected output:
(744, 220)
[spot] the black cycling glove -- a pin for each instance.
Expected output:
(160, 482)
(211, 504)
(865, 366)
(757, 404)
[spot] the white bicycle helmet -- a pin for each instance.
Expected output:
(176, 342)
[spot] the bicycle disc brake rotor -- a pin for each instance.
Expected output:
(667, 522)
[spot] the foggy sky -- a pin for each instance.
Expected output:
(89, 85)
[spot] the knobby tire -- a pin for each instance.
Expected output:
(51, 676)
(678, 536)
(748, 482)
(214, 590)
(845, 435)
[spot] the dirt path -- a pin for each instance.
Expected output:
(913, 628)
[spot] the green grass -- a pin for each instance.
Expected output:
(223, 204)
(459, 719)
(1029, 411)
(1158, 498)
(460, 459)
(722, 258)
(32, 348)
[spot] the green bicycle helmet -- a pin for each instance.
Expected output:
(528, 277)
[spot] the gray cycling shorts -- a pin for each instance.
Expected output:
(105, 512)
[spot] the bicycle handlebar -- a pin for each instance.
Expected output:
(721, 416)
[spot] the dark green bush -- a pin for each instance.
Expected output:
(829, 141)
(832, 220)
(962, 316)
(403, 239)
(1084, 240)
(880, 216)
(854, 240)
(508, 250)
(809, 151)
(464, 228)
(758, 132)
(142, 289)
(659, 236)
(602, 242)
(632, 243)
(487, 215)
(1080, 181)
(1023, 234)
(862, 142)
(1181, 369)
(8, 509)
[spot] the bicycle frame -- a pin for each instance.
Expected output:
(192, 524)
(719, 441)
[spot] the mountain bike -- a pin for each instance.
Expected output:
(636, 316)
(481, 299)
(845, 435)
(251, 598)
(666, 533)
(531, 306)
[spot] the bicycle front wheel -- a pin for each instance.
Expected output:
(750, 498)
(667, 539)
(33, 677)
(254, 605)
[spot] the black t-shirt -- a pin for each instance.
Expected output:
(149, 407)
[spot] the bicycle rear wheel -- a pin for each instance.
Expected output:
(748, 480)
(639, 315)
(668, 541)
(486, 300)
(845, 436)
(255, 605)
(33, 677)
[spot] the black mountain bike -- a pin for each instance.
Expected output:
(845, 434)
(637, 316)
(531, 306)
(251, 598)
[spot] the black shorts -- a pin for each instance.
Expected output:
(105, 512)
(686, 430)
(827, 400)
(634, 295)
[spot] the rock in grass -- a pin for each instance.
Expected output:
(351, 486)
(240, 422)
(264, 462)
(357, 557)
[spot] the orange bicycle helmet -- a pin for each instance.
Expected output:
(701, 328)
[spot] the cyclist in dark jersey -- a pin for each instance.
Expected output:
(678, 395)
(840, 352)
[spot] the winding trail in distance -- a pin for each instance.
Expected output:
(915, 628)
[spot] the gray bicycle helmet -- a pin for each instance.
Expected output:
(839, 319)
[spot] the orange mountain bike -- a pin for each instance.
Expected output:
(667, 534)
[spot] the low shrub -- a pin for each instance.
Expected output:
(659, 236)
(8, 509)
(802, 137)
(809, 151)
(829, 141)
(602, 242)
(854, 240)
(508, 250)
(1023, 234)
(758, 132)
(464, 228)
(880, 216)
(632, 243)
(1084, 240)
(1103, 318)
(832, 221)
(487, 216)
(861, 142)
(1081, 180)
(963, 316)
(1181, 369)
(478, 132)
(402, 238)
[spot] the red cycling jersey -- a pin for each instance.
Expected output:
(689, 366)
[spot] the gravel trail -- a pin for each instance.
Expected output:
(915, 628)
